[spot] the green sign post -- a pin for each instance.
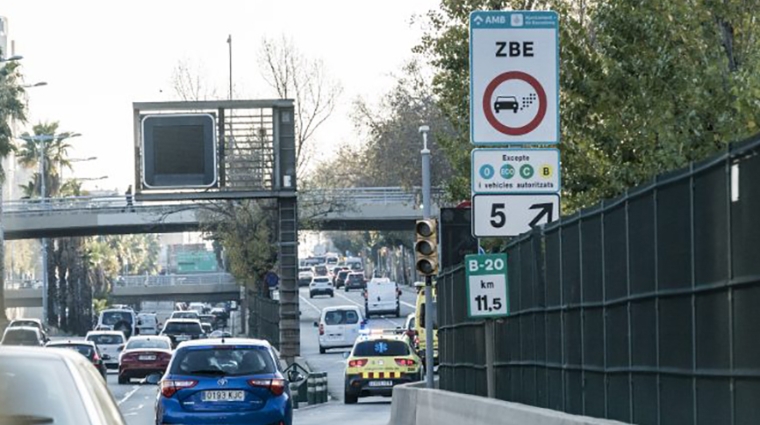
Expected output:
(487, 285)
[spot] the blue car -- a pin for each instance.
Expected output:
(224, 381)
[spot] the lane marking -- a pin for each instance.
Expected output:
(129, 394)
(309, 304)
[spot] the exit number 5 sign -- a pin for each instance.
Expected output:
(487, 285)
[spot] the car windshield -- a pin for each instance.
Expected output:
(106, 339)
(341, 317)
(83, 349)
(39, 388)
(111, 318)
(135, 344)
(227, 360)
(343, 274)
(183, 328)
(355, 277)
(20, 336)
(185, 315)
(31, 323)
(381, 347)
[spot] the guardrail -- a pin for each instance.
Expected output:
(367, 195)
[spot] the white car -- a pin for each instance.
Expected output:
(304, 276)
(382, 297)
(110, 344)
(321, 285)
(339, 327)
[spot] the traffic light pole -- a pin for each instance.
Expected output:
(426, 201)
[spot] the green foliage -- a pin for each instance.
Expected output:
(646, 87)
(246, 231)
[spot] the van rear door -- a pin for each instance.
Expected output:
(381, 296)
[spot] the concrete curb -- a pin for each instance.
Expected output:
(416, 405)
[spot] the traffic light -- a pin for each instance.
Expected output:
(426, 247)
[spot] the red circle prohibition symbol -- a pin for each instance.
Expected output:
(488, 95)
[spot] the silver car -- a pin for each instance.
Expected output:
(52, 385)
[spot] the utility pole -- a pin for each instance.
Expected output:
(229, 41)
(429, 357)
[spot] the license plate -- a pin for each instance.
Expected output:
(147, 358)
(380, 383)
(334, 337)
(182, 337)
(223, 396)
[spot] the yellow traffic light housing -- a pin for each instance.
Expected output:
(426, 247)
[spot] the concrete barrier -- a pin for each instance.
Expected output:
(415, 405)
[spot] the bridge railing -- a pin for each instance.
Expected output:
(362, 195)
(175, 279)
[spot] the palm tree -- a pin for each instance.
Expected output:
(54, 154)
(12, 108)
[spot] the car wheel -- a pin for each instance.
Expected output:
(322, 350)
(123, 380)
(332, 294)
(350, 399)
(398, 311)
(311, 295)
(346, 288)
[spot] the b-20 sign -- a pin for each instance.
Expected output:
(487, 285)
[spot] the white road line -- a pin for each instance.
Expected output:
(412, 306)
(129, 394)
(310, 304)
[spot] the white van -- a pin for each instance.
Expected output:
(118, 319)
(382, 297)
(339, 327)
(147, 323)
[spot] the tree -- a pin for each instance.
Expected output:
(293, 75)
(54, 152)
(632, 106)
(12, 108)
(190, 84)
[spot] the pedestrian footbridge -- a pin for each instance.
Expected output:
(378, 208)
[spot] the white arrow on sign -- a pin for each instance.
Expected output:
(511, 215)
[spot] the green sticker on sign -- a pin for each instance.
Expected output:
(487, 285)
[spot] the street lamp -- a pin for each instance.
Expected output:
(45, 138)
(39, 84)
(12, 58)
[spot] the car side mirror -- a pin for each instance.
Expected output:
(295, 376)
(119, 348)
(316, 324)
(346, 354)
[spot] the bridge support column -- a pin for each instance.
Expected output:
(290, 335)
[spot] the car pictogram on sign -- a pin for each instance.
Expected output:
(505, 102)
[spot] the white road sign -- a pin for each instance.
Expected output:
(511, 215)
(515, 171)
(514, 77)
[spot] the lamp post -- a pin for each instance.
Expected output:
(42, 139)
(429, 358)
(39, 84)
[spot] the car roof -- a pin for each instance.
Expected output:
(22, 329)
(70, 342)
(183, 321)
(26, 319)
(211, 342)
(147, 337)
(340, 307)
(38, 353)
(104, 333)
(375, 337)
(117, 310)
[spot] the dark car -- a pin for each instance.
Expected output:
(23, 335)
(505, 102)
(85, 348)
(340, 278)
(180, 330)
(35, 323)
(232, 381)
(355, 281)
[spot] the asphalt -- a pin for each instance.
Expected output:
(137, 400)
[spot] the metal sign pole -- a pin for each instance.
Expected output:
(490, 376)
(429, 338)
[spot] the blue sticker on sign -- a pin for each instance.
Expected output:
(486, 171)
(381, 347)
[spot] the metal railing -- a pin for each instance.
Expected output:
(175, 279)
(117, 203)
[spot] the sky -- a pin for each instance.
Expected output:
(97, 57)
